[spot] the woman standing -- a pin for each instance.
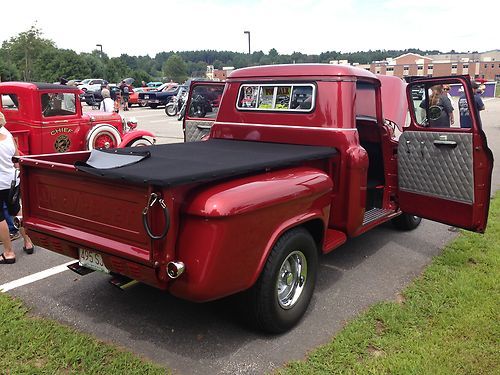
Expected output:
(439, 109)
(8, 149)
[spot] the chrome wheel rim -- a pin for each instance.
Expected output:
(292, 279)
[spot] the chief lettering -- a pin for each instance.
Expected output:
(61, 130)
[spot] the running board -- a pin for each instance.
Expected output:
(375, 214)
(79, 269)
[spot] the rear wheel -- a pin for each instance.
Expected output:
(281, 295)
(406, 221)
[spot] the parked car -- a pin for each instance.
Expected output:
(47, 118)
(134, 97)
(417, 93)
(154, 85)
(92, 84)
(94, 98)
(161, 96)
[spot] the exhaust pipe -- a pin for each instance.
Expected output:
(175, 269)
(17, 221)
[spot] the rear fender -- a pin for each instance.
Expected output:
(133, 135)
(228, 229)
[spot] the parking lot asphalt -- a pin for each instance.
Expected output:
(208, 338)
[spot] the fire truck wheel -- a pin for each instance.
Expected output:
(282, 293)
(139, 142)
(406, 221)
(103, 136)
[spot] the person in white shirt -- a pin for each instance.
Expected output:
(8, 149)
(107, 104)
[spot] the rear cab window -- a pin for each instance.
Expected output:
(293, 97)
(58, 104)
(10, 102)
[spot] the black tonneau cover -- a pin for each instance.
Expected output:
(180, 163)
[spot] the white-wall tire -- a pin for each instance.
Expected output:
(103, 136)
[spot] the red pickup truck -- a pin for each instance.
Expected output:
(299, 159)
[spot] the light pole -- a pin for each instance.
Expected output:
(99, 45)
(248, 32)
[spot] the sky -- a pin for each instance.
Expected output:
(146, 27)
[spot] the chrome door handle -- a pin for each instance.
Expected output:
(203, 126)
(440, 143)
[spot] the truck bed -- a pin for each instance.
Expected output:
(181, 163)
(68, 206)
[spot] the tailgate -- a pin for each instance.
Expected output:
(89, 212)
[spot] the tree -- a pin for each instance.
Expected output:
(175, 68)
(8, 71)
(23, 50)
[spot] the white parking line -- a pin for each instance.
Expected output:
(35, 277)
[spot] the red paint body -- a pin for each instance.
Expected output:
(39, 134)
(223, 231)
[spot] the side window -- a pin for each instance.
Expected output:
(205, 101)
(278, 97)
(58, 104)
(10, 101)
(366, 105)
(444, 104)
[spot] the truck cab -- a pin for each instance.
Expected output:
(46, 118)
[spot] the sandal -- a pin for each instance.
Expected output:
(30, 250)
(5, 260)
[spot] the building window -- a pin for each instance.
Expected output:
(497, 77)
(485, 66)
(430, 67)
(390, 69)
(465, 66)
(492, 65)
(454, 66)
(406, 67)
(420, 67)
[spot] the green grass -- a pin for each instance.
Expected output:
(30, 345)
(497, 90)
(446, 322)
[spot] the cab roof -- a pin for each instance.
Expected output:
(301, 70)
(39, 86)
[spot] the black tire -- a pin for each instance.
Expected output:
(406, 221)
(171, 109)
(273, 306)
(154, 105)
(140, 142)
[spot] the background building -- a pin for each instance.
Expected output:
(485, 65)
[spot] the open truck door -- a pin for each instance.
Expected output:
(201, 109)
(444, 163)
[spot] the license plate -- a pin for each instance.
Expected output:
(92, 260)
(146, 96)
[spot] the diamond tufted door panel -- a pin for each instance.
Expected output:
(437, 164)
